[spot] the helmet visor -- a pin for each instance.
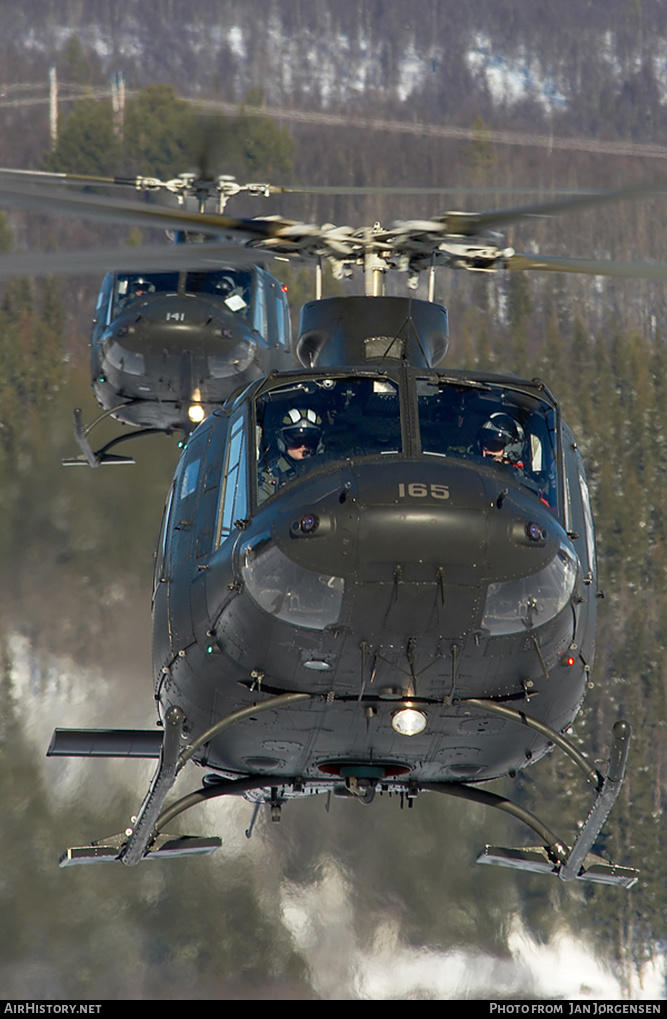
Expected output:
(296, 438)
(494, 443)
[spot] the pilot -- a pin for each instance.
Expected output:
(235, 292)
(502, 439)
(138, 287)
(299, 438)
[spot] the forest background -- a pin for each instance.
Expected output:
(492, 97)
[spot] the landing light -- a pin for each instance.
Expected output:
(408, 721)
(196, 412)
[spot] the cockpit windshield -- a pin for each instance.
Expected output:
(506, 429)
(231, 286)
(304, 424)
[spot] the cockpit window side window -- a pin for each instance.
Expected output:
(589, 529)
(234, 498)
(283, 324)
(162, 541)
(308, 423)
(259, 307)
(104, 302)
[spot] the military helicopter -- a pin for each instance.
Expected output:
(374, 575)
(169, 346)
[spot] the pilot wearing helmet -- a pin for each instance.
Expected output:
(235, 291)
(299, 438)
(137, 287)
(502, 439)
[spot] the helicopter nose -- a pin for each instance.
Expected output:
(221, 346)
(384, 546)
(169, 325)
(420, 518)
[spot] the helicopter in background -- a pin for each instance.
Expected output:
(169, 346)
(375, 575)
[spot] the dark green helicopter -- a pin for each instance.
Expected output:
(370, 567)
(177, 331)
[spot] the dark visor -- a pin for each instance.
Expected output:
(296, 437)
(494, 443)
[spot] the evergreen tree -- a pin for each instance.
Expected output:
(158, 133)
(76, 62)
(479, 154)
(519, 307)
(250, 147)
(86, 143)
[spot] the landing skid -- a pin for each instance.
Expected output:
(537, 860)
(101, 457)
(146, 839)
(164, 847)
(576, 863)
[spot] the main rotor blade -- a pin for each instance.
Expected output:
(588, 266)
(466, 224)
(470, 224)
(132, 259)
(50, 176)
(95, 207)
(275, 235)
(326, 189)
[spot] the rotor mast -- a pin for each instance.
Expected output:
(374, 270)
(375, 263)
